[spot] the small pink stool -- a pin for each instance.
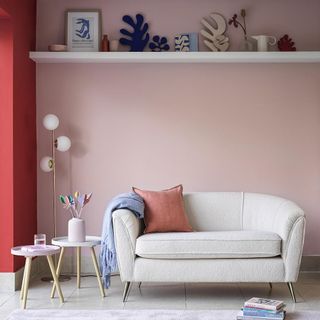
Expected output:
(47, 251)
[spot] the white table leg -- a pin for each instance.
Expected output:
(95, 263)
(55, 278)
(26, 281)
(78, 266)
(58, 271)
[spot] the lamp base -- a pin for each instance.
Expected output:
(62, 278)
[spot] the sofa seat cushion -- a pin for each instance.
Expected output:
(209, 245)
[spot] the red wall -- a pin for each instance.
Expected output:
(6, 149)
(18, 216)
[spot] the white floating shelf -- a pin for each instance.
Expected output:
(176, 57)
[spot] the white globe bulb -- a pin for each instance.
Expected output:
(63, 143)
(50, 122)
(46, 164)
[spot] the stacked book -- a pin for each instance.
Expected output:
(260, 308)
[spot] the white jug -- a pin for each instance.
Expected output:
(264, 41)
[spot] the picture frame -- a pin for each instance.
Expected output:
(83, 29)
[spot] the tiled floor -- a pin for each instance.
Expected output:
(164, 296)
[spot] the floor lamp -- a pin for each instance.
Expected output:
(48, 164)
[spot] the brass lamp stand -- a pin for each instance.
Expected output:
(48, 164)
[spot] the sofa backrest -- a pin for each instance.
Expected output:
(214, 211)
(269, 213)
(217, 211)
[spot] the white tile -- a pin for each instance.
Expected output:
(4, 312)
(5, 296)
(156, 296)
(279, 291)
(89, 297)
(310, 294)
(164, 295)
(309, 278)
(7, 280)
(213, 296)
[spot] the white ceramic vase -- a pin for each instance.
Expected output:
(114, 45)
(76, 230)
(263, 42)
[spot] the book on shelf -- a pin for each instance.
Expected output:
(262, 303)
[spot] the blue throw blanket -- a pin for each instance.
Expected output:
(108, 256)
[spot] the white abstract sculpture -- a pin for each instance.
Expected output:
(216, 40)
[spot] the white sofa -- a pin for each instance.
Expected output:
(239, 237)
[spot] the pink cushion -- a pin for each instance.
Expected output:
(164, 210)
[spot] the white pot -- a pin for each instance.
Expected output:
(263, 42)
(76, 230)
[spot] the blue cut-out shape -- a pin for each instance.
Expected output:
(159, 44)
(84, 31)
(139, 37)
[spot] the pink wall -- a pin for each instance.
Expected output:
(210, 127)
(169, 17)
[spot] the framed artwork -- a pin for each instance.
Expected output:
(83, 30)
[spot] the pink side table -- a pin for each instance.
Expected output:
(47, 251)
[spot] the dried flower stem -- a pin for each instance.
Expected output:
(237, 23)
(243, 15)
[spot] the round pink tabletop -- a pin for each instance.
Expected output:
(91, 241)
(35, 251)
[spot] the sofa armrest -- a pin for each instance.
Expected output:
(281, 216)
(289, 223)
(293, 248)
(127, 227)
